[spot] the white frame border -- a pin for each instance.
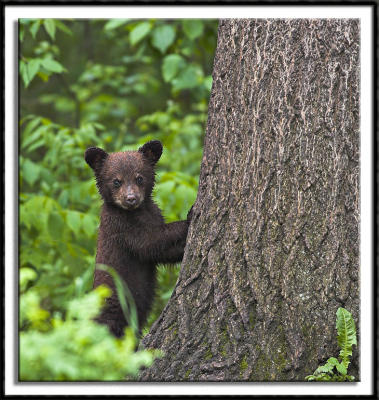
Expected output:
(12, 13)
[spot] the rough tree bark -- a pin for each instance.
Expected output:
(273, 247)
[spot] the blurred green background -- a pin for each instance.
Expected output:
(114, 84)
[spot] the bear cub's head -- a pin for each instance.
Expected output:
(125, 179)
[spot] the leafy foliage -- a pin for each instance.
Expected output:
(45, 64)
(346, 339)
(75, 348)
(346, 335)
(114, 84)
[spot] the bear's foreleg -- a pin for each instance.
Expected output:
(160, 244)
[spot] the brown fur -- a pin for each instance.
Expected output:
(133, 237)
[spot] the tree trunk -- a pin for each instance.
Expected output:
(273, 247)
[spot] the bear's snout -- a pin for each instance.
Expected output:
(131, 200)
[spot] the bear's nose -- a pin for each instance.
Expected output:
(131, 199)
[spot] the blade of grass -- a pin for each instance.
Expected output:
(125, 297)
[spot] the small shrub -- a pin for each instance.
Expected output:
(336, 370)
(75, 348)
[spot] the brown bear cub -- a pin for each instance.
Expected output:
(133, 237)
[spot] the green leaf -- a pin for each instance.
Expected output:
(139, 32)
(88, 306)
(346, 338)
(193, 28)
(30, 171)
(323, 378)
(332, 361)
(21, 32)
(89, 224)
(32, 124)
(24, 73)
(36, 133)
(61, 26)
(189, 78)
(43, 76)
(26, 275)
(74, 221)
(28, 70)
(33, 67)
(346, 334)
(99, 126)
(115, 23)
(341, 369)
(208, 82)
(52, 65)
(163, 37)
(55, 225)
(34, 27)
(165, 189)
(49, 25)
(171, 65)
(30, 308)
(324, 368)
(124, 295)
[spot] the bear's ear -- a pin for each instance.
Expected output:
(94, 157)
(152, 150)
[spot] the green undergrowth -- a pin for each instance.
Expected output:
(71, 346)
(113, 84)
(335, 370)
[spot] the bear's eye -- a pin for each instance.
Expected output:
(139, 180)
(116, 183)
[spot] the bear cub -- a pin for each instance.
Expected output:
(133, 237)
